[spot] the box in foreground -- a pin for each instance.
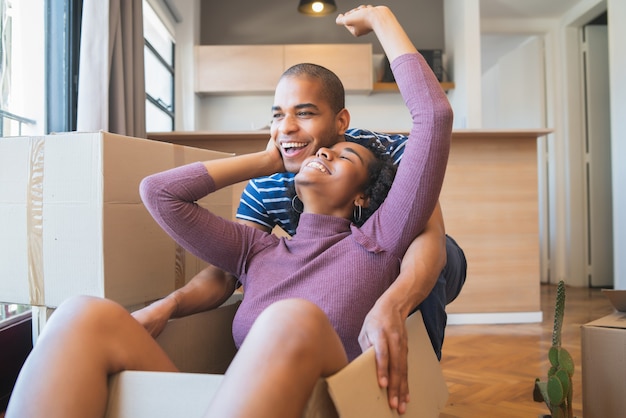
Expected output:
(353, 392)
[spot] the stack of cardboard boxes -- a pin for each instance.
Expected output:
(73, 223)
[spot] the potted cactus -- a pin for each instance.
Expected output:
(556, 392)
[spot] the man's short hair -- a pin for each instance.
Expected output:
(332, 87)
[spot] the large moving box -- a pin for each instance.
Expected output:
(604, 362)
(73, 223)
(202, 344)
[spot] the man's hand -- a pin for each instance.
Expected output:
(384, 328)
(154, 317)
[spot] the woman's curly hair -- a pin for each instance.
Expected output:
(380, 174)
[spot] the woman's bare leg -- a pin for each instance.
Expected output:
(86, 340)
(290, 346)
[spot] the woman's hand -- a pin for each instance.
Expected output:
(154, 317)
(384, 328)
(275, 156)
(380, 20)
(359, 20)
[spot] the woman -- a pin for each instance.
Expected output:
(298, 320)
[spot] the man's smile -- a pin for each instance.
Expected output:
(291, 148)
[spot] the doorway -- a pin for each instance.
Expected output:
(597, 153)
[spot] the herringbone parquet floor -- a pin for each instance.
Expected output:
(491, 369)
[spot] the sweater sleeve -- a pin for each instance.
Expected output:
(415, 190)
(171, 198)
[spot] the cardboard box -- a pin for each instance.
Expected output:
(73, 223)
(353, 392)
(604, 363)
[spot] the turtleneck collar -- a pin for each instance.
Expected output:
(321, 225)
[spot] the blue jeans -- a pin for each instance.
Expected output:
(447, 288)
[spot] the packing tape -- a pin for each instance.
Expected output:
(179, 268)
(34, 220)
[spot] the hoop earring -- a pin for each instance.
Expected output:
(357, 213)
(297, 204)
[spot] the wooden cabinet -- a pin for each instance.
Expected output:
(237, 68)
(352, 63)
(250, 69)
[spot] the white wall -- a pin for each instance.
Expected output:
(462, 34)
(513, 90)
(617, 70)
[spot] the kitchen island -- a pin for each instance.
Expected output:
(491, 208)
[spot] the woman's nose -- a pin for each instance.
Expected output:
(324, 152)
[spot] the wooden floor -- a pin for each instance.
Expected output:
(491, 369)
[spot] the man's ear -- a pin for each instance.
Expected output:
(343, 121)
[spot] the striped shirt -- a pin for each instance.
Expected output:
(265, 202)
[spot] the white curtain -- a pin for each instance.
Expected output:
(111, 81)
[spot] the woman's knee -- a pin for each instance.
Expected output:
(299, 333)
(298, 325)
(86, 314)
(295, 314)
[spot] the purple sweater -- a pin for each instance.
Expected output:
(341, 268)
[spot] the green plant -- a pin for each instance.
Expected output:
(556, 392)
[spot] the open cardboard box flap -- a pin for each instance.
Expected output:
(355, 389)
(353, 392)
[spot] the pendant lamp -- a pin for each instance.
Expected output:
(317, 7)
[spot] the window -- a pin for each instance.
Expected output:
(22, 75)
(159, 63)
(10, 310)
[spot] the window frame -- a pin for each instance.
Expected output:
(63, 20)
(170, 68)
(163, 15)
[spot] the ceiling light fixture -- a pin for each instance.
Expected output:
(317, 7)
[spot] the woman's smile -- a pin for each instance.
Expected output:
(316, 164)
